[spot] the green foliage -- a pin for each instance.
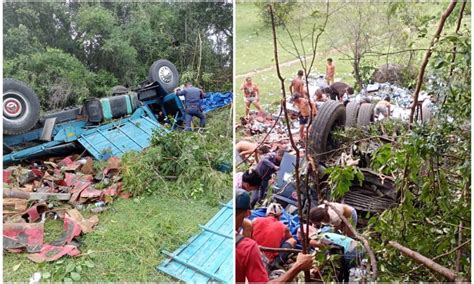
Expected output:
(283, 12)
(185, 164)
(58, 78)
(341, 179)
(433, 170)
(381, 160)
(116, 43)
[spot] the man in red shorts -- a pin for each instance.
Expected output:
(248, 261)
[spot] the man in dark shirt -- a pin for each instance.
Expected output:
(192, 101)
(337, 90)
(268, 165)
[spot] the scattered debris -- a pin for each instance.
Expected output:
(56, 188)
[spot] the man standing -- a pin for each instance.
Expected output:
(248, 261)
(304, 106)
(330, 71)
(297, 85)
(251, 95)
(192, 101)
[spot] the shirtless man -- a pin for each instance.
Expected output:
(297, 85)
(330, 71)
(383, 107)
(304, 107)
(251, 95)
(245, 148)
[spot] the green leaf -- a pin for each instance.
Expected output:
(89, 264)
(70, 267)
(75, 276)
(67, 280)
(46, 275)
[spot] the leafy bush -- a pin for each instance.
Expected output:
(58, 78)
(185, 163)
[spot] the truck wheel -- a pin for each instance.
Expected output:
(165, 73)
(352, 109)
(331, 115)
(21, 107)
(119, 90)
(366, 115)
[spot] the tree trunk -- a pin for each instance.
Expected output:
(446, 272)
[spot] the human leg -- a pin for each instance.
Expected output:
(188, 118)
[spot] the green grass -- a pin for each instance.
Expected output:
(127, 242)
(254, 42)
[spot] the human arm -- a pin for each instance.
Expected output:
(303, 262)
(247, 228)
(257, 93)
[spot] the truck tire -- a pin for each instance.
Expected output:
(365, 115)
(331, 115)
(21, 107)
(352, 109)
(165, 73)
(119, 90)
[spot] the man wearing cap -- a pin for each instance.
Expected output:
(270, 232)
(192, 100)
(249, 264)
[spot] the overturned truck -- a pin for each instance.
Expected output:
(105, 127)
(376, 193)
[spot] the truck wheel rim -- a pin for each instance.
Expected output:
(14, 106)
(165, 74)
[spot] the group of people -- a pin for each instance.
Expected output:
(254, 260)
(307, 105)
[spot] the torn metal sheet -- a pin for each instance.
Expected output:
(206, 257)
(52, 253)
(23, 235)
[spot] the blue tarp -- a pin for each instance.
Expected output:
(214, 101)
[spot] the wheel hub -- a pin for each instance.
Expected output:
(12, 107)
(165, 74)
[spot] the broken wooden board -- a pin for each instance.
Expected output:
(14, 205)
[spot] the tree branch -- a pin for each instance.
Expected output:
(426, 59)
(287, 121)
(446, 272)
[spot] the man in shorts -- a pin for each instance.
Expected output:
(251, 95)
(304, 107)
